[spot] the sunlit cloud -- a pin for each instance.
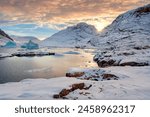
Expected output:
(58, 14)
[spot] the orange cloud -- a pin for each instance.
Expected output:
(66, 12)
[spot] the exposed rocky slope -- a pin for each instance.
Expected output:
(126, 41)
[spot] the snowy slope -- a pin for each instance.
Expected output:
(134, 86)
(126, 31)
(126, 41)
(72, 36)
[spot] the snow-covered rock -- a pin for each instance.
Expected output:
(77, 35)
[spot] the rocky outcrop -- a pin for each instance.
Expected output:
(109, 76)
(132, 63)
(65, 92)
(94, 74)
(75, 74)
(32, 54)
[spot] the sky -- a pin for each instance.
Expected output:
(43, 18)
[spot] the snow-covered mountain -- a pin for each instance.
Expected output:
(24, 39)
(128, 30)
(77, 35)
(126, 41)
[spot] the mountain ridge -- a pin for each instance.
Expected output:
(72, 36)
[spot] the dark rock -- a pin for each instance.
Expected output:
(109, 76)
(106, 63)
(64, 92)
(32, 54)
(56, 96)
(134, 64)
(75, 74)
(78, 86)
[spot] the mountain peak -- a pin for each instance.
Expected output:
(130, 29)
(72, 36)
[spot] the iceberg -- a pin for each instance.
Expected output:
(30, 45)
(10, 44)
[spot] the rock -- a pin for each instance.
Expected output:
(56, 96)
(32, 54)
(106, 63)
(109, 76)
(134, 64)
(78, 86)
(140, 47)
(64, 92)
(74, 87)
(75, 74)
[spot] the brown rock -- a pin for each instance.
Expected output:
(75, 74)
(78, 86)
(64, 92)
(109, 76)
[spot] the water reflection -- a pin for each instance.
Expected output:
(16, 69)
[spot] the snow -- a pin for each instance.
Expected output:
(135, 86)
(127, 39)
(127, 31)
(77, 35)
(3, 55)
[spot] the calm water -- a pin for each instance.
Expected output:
(18, 68)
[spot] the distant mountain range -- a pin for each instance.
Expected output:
(129, 29)
(24, 39)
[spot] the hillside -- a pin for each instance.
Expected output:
(77, 35)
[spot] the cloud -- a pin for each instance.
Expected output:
(61, 13)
